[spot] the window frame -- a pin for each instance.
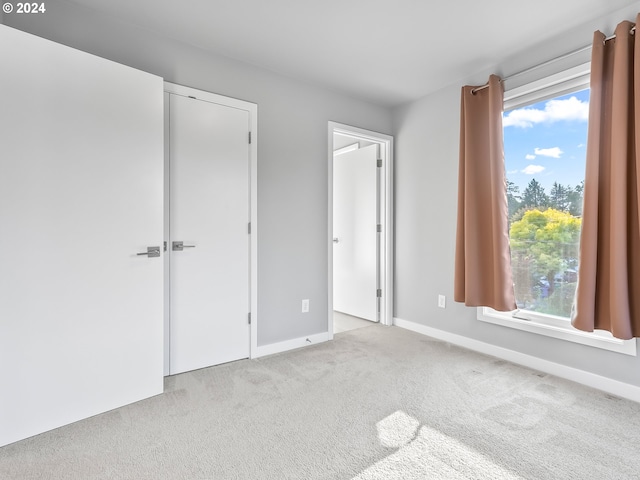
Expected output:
(561, 83)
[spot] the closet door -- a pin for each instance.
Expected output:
(210, 241)
(81, 192)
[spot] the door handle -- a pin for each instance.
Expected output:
(336, 240)
(151, 252)
(180, 246)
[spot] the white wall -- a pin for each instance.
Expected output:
(292, 152)
(427, 136)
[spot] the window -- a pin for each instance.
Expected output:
(545, 145)
(545, 136)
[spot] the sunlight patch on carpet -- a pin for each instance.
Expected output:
(429, 454)
(397, 430)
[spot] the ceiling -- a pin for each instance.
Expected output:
(385, 51)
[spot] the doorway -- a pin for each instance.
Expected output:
(360, 227)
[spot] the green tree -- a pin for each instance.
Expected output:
(559, 197)
(513, 197)
(534, 196)
(547, 242)
(575, 197)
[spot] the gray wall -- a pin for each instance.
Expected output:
(293, 177)
(427, 135)
(292, 152)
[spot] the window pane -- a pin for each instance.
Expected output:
(545, 148)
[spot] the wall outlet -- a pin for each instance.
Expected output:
(442, 301)
(305, 305)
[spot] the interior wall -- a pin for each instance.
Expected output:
(427, 148)
(292, 152)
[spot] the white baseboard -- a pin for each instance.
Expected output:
(264, 350)
(614, 387)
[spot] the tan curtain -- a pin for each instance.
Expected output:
(608, 292)
(483, 260)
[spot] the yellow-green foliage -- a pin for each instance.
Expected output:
(548, 226)
(548, 237)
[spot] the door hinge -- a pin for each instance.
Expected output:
(249, 137)
(249, 316)
(165, 246)
(249, 228)
(379, 162)
(379, 293)
(379, 228)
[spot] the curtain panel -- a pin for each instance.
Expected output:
(483, 260)
(608, 291)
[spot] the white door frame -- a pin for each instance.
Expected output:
(385, 259)
(252, 108)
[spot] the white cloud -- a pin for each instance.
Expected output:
(554, 152)
(512, 172)
(554, 111)
(533, 169)
(569, 109)
(581, 145)
(523, 117)
(530, 157)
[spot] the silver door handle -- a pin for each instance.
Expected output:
(151, 252)
(336, 240)
(179, 246)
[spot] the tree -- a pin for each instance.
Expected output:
(534, 196)
(559, 197)
(575, 198)
(513, 197)
(547, 241)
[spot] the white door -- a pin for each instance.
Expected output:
(354, 231)
(209, 213)
(81, 190)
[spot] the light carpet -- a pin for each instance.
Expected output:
(376, 403)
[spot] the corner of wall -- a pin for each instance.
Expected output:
(292, 254)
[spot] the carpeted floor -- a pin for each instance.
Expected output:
(376, 403)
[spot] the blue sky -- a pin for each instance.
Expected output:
(547, 141)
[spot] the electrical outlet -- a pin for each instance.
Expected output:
(305, 305)
(442, 301)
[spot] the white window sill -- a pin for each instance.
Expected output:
(557, 327)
